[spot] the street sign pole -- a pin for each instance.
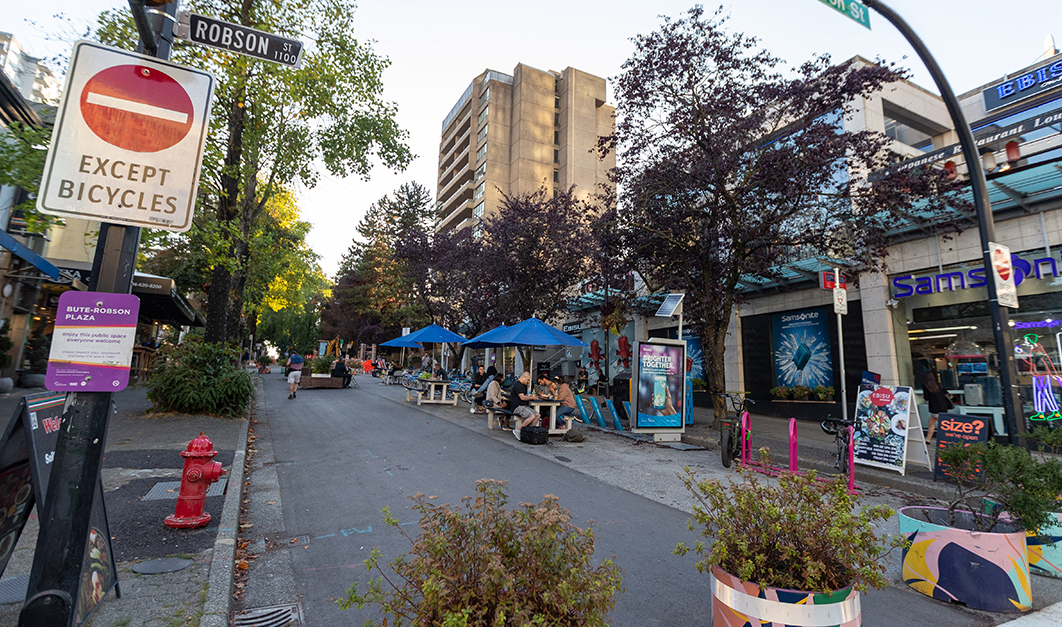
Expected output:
(64, 524)
(840, 338)
(1015, 419)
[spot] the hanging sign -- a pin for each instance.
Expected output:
(1003, 272)
(92, 345)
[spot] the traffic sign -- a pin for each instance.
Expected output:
(1003, 273)
(827, 282)
(215, 33)
(128, 140)
(854, 10)
(840, 301)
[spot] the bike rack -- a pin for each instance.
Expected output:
(745, 460)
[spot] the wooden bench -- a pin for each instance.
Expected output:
(320, 382)
(413, 385)
(502, 416)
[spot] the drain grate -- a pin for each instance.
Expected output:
(274, 541)
(272, 616)
(171, 489)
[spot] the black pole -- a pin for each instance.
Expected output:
(64, 522)
(1015, 419)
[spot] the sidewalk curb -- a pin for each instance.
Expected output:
(219, 586)
(1050, 616)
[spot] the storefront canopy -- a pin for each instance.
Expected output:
(19, 250)
(160, 301)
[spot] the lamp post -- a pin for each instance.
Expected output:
(1015, 420)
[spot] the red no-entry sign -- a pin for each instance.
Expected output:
(128, 140)
(137, 108)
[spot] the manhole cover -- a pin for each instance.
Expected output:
(13, 589)
(272, 616)
(163, 565)
(172, 489)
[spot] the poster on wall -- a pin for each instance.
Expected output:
(661, 384)
(882, 417)
(802, 348)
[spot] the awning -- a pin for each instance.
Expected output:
(31, 257)
(159, 299)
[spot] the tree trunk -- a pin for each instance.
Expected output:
(218, 305)
(713, 345)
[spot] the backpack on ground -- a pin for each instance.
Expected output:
(534, 435)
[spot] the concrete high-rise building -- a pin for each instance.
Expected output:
(35, 81)
(515, 134)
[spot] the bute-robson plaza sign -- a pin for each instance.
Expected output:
(128, 140)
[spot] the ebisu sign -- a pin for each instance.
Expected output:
(1035, 81)
(128, 140)
(1023, 270)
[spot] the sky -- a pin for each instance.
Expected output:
(437, 47)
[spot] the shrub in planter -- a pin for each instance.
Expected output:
(264, 360)
(699, 385)
(322, 365)
(780, 393)
(1045, 548)
(946, 541)
(491, 566)
(198, 377)
(823, 393)
(801, 392)
(794, 540)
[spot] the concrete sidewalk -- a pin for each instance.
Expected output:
(142, 451)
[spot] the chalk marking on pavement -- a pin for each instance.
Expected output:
(412, 522)
(347, 532)
(327, 536)
(371, 455)
(388, 473)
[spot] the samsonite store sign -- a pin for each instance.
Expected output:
(1033, 272)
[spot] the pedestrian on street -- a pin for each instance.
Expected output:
(935, 395)
(518, 397)
(295, 363)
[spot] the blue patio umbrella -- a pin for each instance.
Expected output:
(434, 334)
(401, 342)
(530, 332)
(483, 340)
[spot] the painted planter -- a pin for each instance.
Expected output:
(985, 571)
(737, 603)
(1045, 548)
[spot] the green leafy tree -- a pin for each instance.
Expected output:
(271, 126)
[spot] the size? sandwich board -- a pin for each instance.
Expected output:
(128, 140)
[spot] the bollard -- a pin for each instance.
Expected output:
(792, 445)
(851, 460)
(199, 473)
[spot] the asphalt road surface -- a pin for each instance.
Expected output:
(324, 464)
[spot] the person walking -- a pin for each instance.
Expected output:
(295, 363)
(935, 395)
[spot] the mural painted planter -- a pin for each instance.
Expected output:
(1045, 548)
(737, 603)
(985, 571)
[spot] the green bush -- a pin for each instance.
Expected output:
(37, 349)
(322, 365)
(485, 565)
(796, 532)
(264, 360)
(198, 377)
(1024, 488)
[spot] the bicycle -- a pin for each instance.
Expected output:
(838, 428)
(730, 426)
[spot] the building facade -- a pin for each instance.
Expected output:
(930, 309)
(515, 134)
(35, 81)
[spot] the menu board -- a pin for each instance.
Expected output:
(27, 451)
(882, 417)
(958, 430)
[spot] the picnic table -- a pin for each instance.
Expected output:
(551, 422)
(433, 386)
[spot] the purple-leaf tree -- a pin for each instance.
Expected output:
(729, 169)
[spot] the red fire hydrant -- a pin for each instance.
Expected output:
(199, 473)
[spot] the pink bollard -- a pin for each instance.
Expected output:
(851, 460)
(792, 445)
(745, 439)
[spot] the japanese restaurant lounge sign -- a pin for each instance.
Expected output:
(881, 437)
(92, 344)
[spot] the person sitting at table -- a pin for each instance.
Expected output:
(518, 397)
(479, 385)
(543, 385)
(563, 393)
(340, 370)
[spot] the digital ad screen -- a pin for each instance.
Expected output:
(661, 385)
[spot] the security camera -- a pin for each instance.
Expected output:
(892, 303)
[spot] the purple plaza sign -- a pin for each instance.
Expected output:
(93, 342)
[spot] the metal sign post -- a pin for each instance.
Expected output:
(840, 307)
(64, 523)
